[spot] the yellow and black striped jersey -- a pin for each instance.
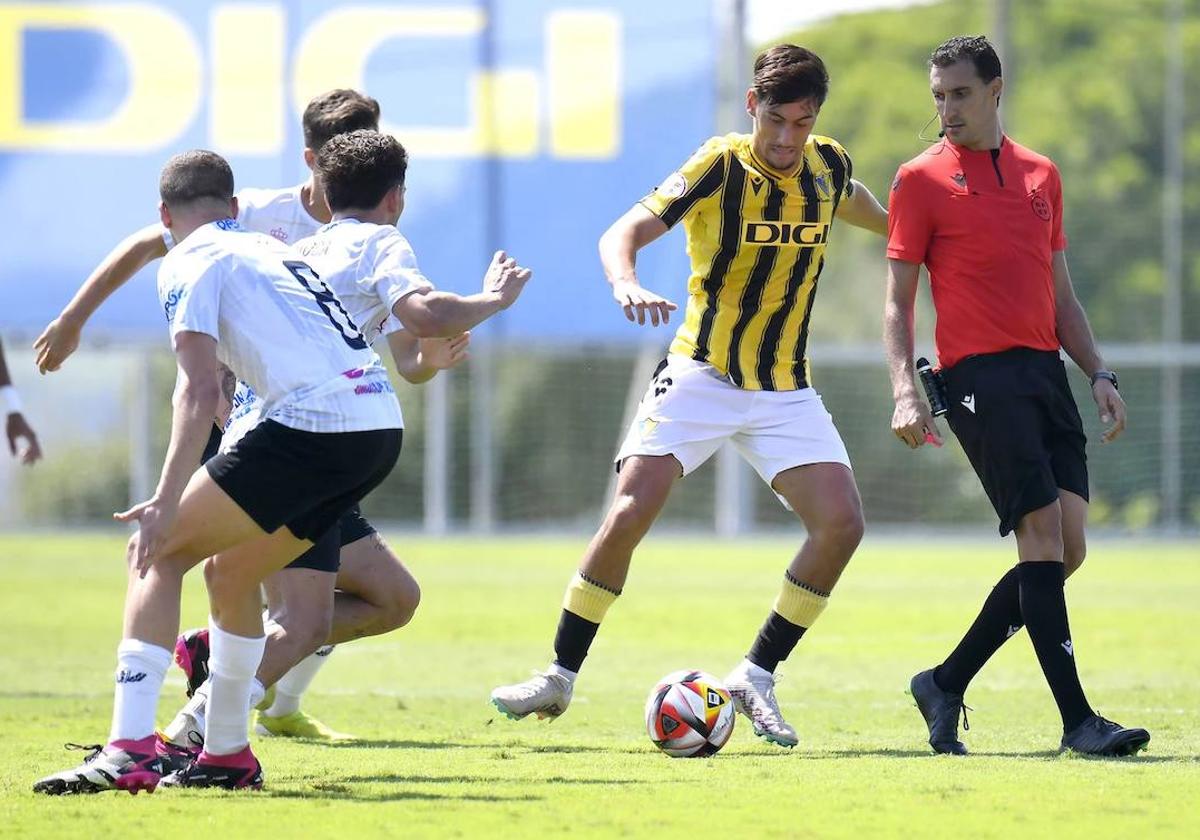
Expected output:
(756, 239)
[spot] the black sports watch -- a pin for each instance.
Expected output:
(1105, 374)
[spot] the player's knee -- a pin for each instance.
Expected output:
(1073, 557)
(399, 604)
(630, 516)
(843, 528)
(225, 581)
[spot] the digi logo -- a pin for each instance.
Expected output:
(239, 70)
(792, 234)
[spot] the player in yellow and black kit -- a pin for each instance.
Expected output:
(758, 210)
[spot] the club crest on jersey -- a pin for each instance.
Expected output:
(675, 186)
(822, 183)
(959, 179)
(280, 234)
(793, 234)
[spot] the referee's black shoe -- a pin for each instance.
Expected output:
(1100, 736)
(940, 710)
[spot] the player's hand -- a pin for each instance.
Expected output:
(505, 278)
(914, 425)
(444, 353)
(639, 302)
(22, 441)
(154, 518)
(58, 341)
(1112, 409)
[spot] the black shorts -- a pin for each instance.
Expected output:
(304, 480)
(1016, 419)
(326, 553)
(213, 446)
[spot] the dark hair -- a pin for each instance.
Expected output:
(337, 112)
(190, 176)
(787, 73)
(357, 169)
(977, 50)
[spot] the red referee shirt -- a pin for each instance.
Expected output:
(986, 225)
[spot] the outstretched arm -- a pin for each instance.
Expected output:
(618, 254)
(60, 338)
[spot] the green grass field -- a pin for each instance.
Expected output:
(436, 760)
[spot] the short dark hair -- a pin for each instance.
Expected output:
(191, 176)
(337, 112)
(787, 73)
(357, 169)
(976, 49)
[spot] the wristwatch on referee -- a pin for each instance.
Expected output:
(1105, 374)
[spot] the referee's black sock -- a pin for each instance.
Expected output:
(999, 619)
(1044, 608)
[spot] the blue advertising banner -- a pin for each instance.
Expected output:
(530, 125)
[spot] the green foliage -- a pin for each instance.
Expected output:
(1085, 86)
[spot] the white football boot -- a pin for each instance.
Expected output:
(754, 696)
(187, 727)
(548, 695)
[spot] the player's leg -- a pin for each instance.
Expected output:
(375, 594)
(826, 499)
(207, 521)
(642, 490)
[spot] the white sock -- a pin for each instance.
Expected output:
(257, 693)
(749, 669)
(232, 663)
(193, 713)
(140, 670)
(294, 683)
(555, 668)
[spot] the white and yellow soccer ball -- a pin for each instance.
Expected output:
(689, 714)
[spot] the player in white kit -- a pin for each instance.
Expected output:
(364, 260)
(331, 432)
(378, 594)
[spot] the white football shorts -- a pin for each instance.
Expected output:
(689, 410)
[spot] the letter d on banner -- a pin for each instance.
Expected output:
(165, 75)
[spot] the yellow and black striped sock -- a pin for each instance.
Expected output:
(584, 605)
(796, 608)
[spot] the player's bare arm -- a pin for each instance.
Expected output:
(60, 338)
(618, 254)
(22, 441)
(197, 392)
(862, 209)
(434, 314)
(911, 421)
(1075, 335)
(419, 359)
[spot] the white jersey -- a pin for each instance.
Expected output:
(369, 267)
(279, 213)
(279, 328)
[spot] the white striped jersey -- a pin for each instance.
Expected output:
(279, 328)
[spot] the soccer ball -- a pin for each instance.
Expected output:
(689, 714)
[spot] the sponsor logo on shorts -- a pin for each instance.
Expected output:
(1069, 648)
(969, 403)
(794, 234)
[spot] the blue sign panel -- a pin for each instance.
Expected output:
(530, 126)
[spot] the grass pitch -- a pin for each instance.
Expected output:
(436, 760)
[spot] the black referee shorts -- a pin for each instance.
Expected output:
(305, 480)
(1016, 419)
(326, 553)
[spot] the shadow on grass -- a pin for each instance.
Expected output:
(347, 793)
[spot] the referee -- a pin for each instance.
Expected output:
(984, 215)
